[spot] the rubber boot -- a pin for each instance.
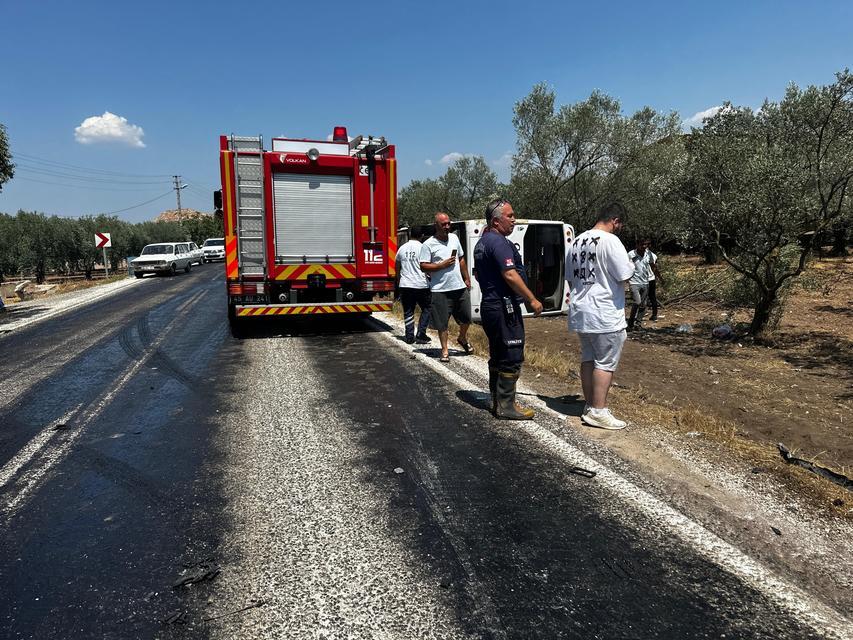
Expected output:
(493, 389)
(507, 407)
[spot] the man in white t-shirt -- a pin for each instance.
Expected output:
(645, 269)
(443, 259)
(412, 286)
(654, 278)
(597, 268)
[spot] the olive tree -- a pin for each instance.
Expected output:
(764, 185)
(462, 192)
(8, 246)
(7, 169)
(570, 160)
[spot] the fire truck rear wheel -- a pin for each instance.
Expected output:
(235, 324)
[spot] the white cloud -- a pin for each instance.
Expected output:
(504, 161)
(698, 118)
(428, 162)
(453, 156)
(109, 128)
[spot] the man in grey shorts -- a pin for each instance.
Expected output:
(597, 268)
(443, 259)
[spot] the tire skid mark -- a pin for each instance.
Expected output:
(125, 475)
(164, 363)
(44, 458)
(74, 345)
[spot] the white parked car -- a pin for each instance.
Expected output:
(198, 254)
(163, 257)
(214, 249)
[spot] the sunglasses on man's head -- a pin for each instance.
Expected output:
(490, 212)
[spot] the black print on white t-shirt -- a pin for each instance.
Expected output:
(586, 259)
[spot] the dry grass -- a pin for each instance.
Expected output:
(741, 451)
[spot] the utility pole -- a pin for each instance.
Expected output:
(178, 187)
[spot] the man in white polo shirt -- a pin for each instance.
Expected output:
(597, 268)
(443, 259)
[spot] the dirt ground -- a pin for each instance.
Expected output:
(795, 388)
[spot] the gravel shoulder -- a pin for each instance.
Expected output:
(23, 314)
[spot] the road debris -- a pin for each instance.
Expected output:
(723, 332)
(202, 573)
(176, 617)
(253, 604)
(580, 471)
(829, 474)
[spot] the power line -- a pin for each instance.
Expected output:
(141, 204)
(79, 186)
(71, 176)
(37, 159)
(201, 183)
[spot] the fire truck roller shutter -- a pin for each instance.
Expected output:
(313, 218)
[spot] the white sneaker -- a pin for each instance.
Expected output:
(603, 419)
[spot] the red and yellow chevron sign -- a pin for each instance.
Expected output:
(331, 271)
(392, 256)
(305, 309)
(231, 264)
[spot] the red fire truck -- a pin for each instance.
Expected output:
(310, 225)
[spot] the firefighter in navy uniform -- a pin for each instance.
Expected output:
(503, 282)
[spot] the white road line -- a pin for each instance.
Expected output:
(11, 468)
(799, 603)
(29, 480)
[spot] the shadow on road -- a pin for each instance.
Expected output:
(568, 405)
(13, 314)
(282, 327)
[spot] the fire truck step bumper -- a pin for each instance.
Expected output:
(304, 309)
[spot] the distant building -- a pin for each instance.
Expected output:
(172, 215)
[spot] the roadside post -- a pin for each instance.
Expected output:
(102, 241)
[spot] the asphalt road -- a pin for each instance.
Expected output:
(159, 478)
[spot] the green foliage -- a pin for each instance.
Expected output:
(7, 169)
(462, 192)
(572, 159)
(34, 244)
(764, 186)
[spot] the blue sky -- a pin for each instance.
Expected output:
(434, 78)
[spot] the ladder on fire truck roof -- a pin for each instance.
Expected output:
(248, 167)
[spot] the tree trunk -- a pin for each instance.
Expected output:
(711, 254)
(839, 240)
(762, 314)
(40, 274)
